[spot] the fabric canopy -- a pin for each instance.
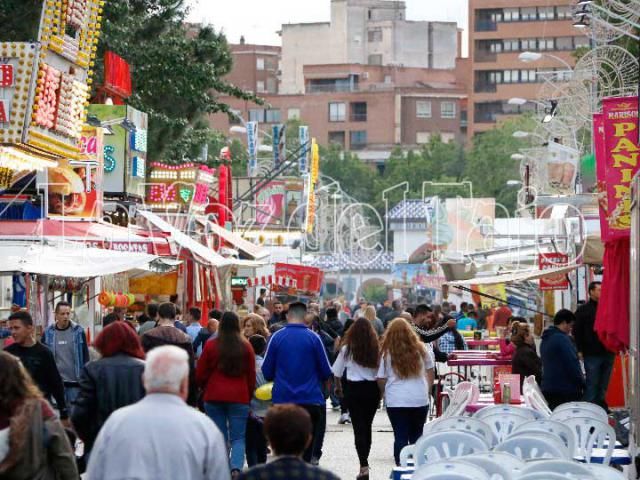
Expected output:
(513, 277)
(245, 246)
(202, 253)
(69, 260)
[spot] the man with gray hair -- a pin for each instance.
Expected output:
(160, 436)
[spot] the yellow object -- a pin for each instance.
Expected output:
(264, 392)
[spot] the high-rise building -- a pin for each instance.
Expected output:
(499, 32)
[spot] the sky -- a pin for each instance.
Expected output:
(258, 20)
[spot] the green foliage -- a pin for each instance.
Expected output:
(374, 293)
(177, 74)
(20, 20)
(355, 177)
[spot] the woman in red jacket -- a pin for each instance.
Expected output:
(226, 372)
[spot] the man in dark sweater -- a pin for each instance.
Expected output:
(598, 361)
(37, 359)
(562, 379)
(166, 333)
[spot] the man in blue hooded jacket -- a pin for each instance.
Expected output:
(562, 378)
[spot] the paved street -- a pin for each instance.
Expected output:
(339, 453)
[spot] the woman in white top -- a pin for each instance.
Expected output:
(358, 355)
(403, 378)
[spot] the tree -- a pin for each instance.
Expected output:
(489, 164)
(355, 177)
(177, 73)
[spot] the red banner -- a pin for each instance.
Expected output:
(307, 279)
(553, 260)
(620, 118)
(601, 173)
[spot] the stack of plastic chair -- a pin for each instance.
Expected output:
(564, 432)
(503, 421)
(450, 470)
(464, 394)
(570, 469)
(466, 424)
(533, 397)
(591, 433)
(533, 447)
(447, 445)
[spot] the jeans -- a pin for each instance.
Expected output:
(598, 369)
(71, 392)
(231, 419)
(407, 424)
(318, 435)
(256, 442)
(362, 399)
(318, 414)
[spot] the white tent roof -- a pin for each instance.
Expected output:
(204, 253)
(513, 277)
(239, 243)
(69, 260)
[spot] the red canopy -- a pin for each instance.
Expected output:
(96, 234)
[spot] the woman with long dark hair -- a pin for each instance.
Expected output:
(359, 355)
(227, 373)
(33, 443)
(405, 366)
(110, 383)
(525, 360)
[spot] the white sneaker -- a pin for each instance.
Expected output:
(344, 418)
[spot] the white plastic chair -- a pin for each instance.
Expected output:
(507, 460)
(575, 469)
(561, 415)
(560, 429)
(464, 394)
(591, 433)
(502, 424)
(493, 466)
(532, 447)
(536, 414)
(543, 476)
(552, 437)
(597, 410)
(533, 397)
(446, 445)
(604, 472)
(466, 424)
(450, 470)
(527, 414)
(405, 454)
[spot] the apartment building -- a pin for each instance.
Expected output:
(365, 32)
(499, 32)
(255, 67)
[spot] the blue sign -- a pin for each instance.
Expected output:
(305, 149)
(252, 143)
(279, 144)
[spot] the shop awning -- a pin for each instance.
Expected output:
(94, 234)
(250, 249)
(513, 277)
(202, 253)
(69, 260)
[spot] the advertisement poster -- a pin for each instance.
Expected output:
(270, 204)
(561, 166)
(304, 279)
(620, 117)
(72, 186)
(416, 276)
(548, 261)
(498, 290)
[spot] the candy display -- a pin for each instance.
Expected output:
(113, 299)
(49, 80)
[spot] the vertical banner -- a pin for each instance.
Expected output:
(223, 193)
(278, 134)
(305, 148)
(252, 146)
(620, 116)
(601, 171)
(311, 186)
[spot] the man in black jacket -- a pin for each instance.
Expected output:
(423, 325)
(598, 361)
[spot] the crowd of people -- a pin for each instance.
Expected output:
(144, 398)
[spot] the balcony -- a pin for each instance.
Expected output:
(358, 117)
(485, 56)
(358, 146)
(486, 26)
(484, 87)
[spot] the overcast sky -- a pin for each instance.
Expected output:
(258, 20)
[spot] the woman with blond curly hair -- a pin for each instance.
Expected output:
(403, 380)
(254, 324)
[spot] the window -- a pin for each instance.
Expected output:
(527, 76)
(260, 86)
(387, 79)
(447, 137)
(564, 43)
(496, 17)
(564, 13)
(375, 59)
(511, 45)
(511, 14)
(272, 116)
(529, 44)
(495, 47)
(423, 109)
(337, 138)
(260, 63)
(546, 44)
(580, 42)
(495, 77)
(256, 115)
(337, 112)
(528, 14)
(546, 13)
(510, 76)
(293, 114)
(375, 35)
(447, 110)
(358, 139)
(272, 85)
(423, 137)
(358, 112)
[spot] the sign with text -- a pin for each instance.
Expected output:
(305, 279)
(547, 261)
(620, 117)
(252, 146)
